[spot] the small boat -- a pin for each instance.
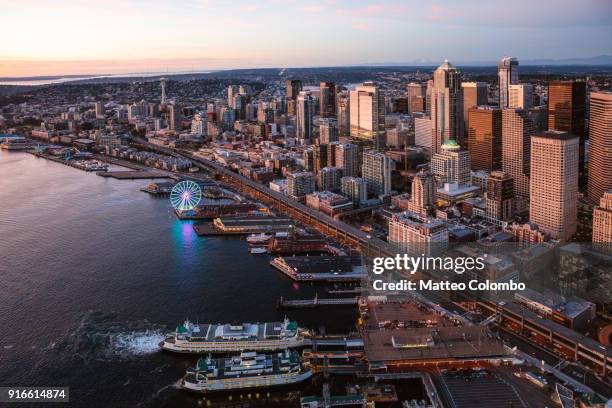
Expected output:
(16, 143)
(255, 239)
(258, 250)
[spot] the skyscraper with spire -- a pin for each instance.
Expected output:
(446, 106)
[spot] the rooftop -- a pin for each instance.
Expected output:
(446, 66)
(442, 343)
(556, 135)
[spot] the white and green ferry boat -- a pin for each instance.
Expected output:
(230, 338)
(247, 370)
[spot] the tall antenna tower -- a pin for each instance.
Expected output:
(163, 81)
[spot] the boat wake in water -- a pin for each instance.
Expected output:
(103, 337)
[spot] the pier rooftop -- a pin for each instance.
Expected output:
(241, 225)
(320, 264)
(320, 268)
(133, 175)
(377, 315)
(253, 223)
(431, 345)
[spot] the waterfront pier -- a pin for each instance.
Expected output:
(311, 303)
(133, 175)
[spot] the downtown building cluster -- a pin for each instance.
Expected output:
(435, 158)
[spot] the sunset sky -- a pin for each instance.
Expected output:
(121, 36)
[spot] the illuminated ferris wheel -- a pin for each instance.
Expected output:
(185, 195)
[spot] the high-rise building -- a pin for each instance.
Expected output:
(367, 113)
(423, 196)
(265, 115)
(602, 223)
(474, 94)
(517, 129)
(566, 111)
(328, 130)
(422, 132)
(397, 137)
(446, 106)
(99, 106)
(319, 157)
(331, 153)
(415, 234)
(199, 125)
(343, 114)
(428, 92)
(347, 158)
(520, 96)
(299, 184)
(416, 98)
(507, 71)
(485, 138)
(304, 116)
(376, 171)
(327, 99)
(554, 183)
(452, 164)
(239, 103)
(232, 90)
(539, 117)
(356, 189)
(175, 117)
(293, 88)
(228, 117)
(600, 145)
(132, 113)
(499, 196)
(308, 157)
(329, 179)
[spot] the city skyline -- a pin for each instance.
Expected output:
(412, 201)
(209, 34)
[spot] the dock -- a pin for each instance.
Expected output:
(244, 225)
(312, 303)
(133, 175)
(348, 291)
(159, 188)
(320, 268)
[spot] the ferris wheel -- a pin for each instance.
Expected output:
(185, 195)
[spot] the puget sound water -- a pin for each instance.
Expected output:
(94, 272)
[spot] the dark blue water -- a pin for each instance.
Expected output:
(93, 272)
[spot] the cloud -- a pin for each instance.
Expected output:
(249, 7)
(363, 27)
(368, 10)
(314, 8)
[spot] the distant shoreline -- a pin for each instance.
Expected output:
(58, 79)
(43, 80)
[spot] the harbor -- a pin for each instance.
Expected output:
(393, 344)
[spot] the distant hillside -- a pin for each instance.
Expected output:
(598, 60)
